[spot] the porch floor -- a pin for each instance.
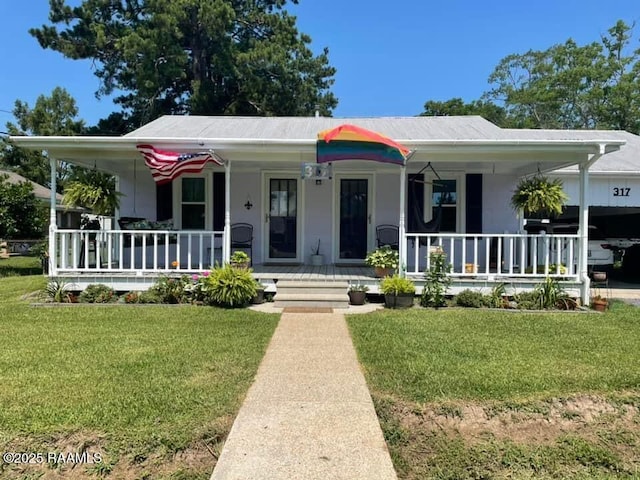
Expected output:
(327, 273)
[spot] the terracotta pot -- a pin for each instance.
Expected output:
(402, 300)
(381, 272)
(599, 276)
(357, 298)
(599, 305)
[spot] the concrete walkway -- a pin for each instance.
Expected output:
(308, 414)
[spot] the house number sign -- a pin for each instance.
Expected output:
(621, 191)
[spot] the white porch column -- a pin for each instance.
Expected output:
(583, 231)
(226, 248)
(402, 246)
(53, 226)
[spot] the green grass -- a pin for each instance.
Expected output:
(143, 378)
(471, 394)
(20, 265)
(427, 355)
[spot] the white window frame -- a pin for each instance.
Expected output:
(208, 199)
(461, 185)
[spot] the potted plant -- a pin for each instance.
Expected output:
(539, 194)
(398, 291)
(258, 298)
(239, 259)
(316, 257)
(599, 303)
(357, 294)
(384, 260)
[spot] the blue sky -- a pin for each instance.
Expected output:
(391, 57)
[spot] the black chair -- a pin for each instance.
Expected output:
(242, 237)
(388, 235)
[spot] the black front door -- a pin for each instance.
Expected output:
(354, 218)
(283, 218)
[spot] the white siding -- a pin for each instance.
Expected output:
(602, 191)
(498, 215)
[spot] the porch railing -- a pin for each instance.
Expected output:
(497, 255)
(111, 251)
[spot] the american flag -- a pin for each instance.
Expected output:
(166, 166)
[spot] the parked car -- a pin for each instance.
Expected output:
(600, 253)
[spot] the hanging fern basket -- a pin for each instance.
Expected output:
(539, 195)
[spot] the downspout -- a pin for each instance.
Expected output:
(402, 246)
(53, 227)
(226, 236)
(583, 230)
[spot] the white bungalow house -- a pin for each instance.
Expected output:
(261, 184)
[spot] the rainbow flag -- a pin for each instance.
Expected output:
(348, 142)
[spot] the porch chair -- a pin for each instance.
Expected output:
(387, 235)
(242, 237)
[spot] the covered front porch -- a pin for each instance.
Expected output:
(134, 259)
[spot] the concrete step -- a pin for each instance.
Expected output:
(311, 284)
(302, 293)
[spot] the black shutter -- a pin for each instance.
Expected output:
(218, 201)
(164, 201)
(415, 200)
(474, 203)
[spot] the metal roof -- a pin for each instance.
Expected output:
(626, 160)
(307, 128)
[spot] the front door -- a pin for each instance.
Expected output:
(282, 219)
(354, 218)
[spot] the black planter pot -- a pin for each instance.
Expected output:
(259, 297)
(357, 298)
(402, 300)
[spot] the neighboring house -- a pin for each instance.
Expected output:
(260, 184)
(65, 217)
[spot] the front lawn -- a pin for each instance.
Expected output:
(153, 388)
(467, 393)
(20, 265)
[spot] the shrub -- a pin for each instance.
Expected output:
(528, 300)
(97, 293)
(396, 285)
(149, 296)
(438, 281)
(58, 291)
(228, 287)
(170, 289)
(550, 293)
(469, 298)
(496, 298)
(131, 297)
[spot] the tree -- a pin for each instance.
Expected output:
(22, 215)
(190, 56)
(572, 86)
(52, 115)
(456, 106)
(565, 86)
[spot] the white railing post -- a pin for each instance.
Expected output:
(402, 246)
